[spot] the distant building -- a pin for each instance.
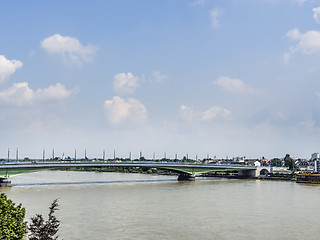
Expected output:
(302, 165)
(239, 159)
(251, 162)
(315, 156)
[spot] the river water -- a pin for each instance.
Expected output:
(137, 206)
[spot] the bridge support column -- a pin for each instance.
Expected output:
(246, 173)
(186, 177)
(5, 182)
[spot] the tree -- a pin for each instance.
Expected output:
(45, 230)
(276, 162)
(12, 225)
(289, 162)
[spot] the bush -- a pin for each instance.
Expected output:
(45, 230)
(12, 225)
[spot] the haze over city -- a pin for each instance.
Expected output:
(224, 78)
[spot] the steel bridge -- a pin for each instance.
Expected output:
(186, 171)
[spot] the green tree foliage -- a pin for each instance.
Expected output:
(276, 162)
(45, 230)
(12, 225)
(289, 162)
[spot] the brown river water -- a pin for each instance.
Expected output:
(137, 206)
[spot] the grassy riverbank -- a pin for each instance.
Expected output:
(141, 170)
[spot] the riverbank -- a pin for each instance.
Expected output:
(276, 178)
(141, 170)
(279, 176)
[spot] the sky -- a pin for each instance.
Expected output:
(222, 78)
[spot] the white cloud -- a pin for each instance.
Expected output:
(308, 43)
(318, 94)
(120, 110)
(215, 13)
(69, 48)
(125, 83)
(309, 124)
(158, 76)
(316, 14)
(235, 85)
(8, 67)
(214, 112)
(57, 91)
(21, 95)
(189, 114)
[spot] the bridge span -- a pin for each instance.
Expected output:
(186, 171)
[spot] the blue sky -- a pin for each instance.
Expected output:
(224, 78)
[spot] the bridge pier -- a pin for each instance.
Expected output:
(5, 182)
(246, 173)
(186, 177)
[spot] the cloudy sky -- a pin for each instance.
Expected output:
(218, 77)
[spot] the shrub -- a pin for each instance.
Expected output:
(45, 230)
(12, 225)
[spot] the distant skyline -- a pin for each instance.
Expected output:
(224, 78)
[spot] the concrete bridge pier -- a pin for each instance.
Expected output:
(186, 177)
(246, 173)
(5, 182)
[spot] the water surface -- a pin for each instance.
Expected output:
(137, 206)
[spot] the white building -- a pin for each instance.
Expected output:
(257, 164)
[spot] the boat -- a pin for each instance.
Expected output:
(5, 182)
(309, 177)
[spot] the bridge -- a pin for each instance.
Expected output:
(186, 171)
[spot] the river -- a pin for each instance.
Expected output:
(138, 206)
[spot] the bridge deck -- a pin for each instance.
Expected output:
(189, 168)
